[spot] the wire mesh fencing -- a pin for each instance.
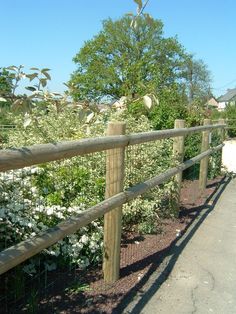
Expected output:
(34, 199)
(69, 274)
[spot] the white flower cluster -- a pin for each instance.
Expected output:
(24, 213)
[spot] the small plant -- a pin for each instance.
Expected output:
(78, 287)
(32, 302)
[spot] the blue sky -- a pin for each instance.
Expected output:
(48, 33)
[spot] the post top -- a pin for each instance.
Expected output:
(116, 128)
(116, 122)
(206, 121)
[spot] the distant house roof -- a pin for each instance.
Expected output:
(231, 93)
(212, 102)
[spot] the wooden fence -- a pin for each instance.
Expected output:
(115, 144)
(7, 126)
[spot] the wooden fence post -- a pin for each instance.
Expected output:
(204, 161)
(222, 131)
(227, 122)
(115, 167)
(178, 152)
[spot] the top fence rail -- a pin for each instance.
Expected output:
(17, 158)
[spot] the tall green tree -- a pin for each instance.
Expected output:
(5, 92)
(127, 59)
(5, 82)
(197, 80)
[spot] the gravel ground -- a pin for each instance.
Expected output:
(141, 255)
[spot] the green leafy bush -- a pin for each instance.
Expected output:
(230, 115)
(39, 197)
(36, 198)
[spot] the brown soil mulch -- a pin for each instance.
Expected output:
(141, 255)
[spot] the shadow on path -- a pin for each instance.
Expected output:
(142, 292)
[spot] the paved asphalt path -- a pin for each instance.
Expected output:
(203, 277)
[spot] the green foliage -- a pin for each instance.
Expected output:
(214, 168)
(71, 183)
(216, 114)
(137, 109)
(33, 302)
(5, 120)
(131, 57)
(41, 126)
(5, 117)
(145, 212)
(77, 287)
(194, 117)
(5, 82)
(141, 214)
(5, 90)
(163, 116)
(126, 61)
(61, 187)
(197, 80)
(173, 106)
(10, 80)
(230, 115)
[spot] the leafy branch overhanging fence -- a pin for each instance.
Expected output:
(115, 144)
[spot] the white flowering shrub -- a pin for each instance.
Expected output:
(36, 198)
(25, 212)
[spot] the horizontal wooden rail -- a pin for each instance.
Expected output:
(19, 253)
(216, 120)
(17, 158)
(144, 137)
(7, 126)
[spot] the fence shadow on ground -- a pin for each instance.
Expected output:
(160, 263)
(142, 292)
